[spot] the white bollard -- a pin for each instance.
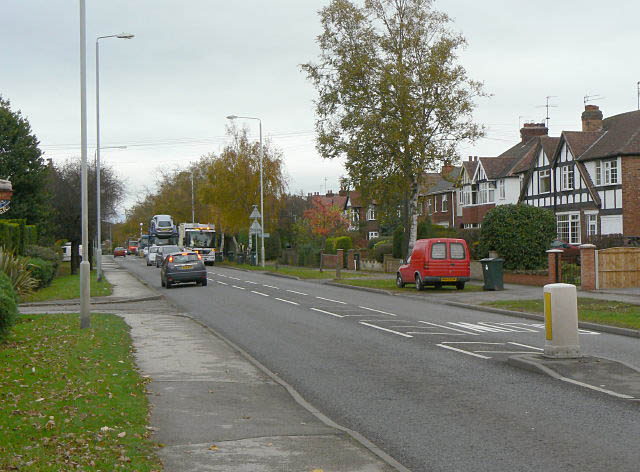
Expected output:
(561, 321)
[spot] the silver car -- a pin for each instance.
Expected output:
(163, 251)
(151, 255)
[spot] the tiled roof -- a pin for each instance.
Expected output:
(496, 167)
(620, 136)
(580, 141)
(330, 200)
(440, 183)
(549, 145)
(470, 167)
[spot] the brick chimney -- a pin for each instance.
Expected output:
(591, 118)
(530, 130)
(446, 169)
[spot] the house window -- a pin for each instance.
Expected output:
(487, 192)
(355, 215)
(435, 204)
(445, 203)
(429, 207)
(569, 228)
(466, 193)
(544, 177)
(592, 225)
(501, 189)
(567, 177)
(371, 213)
(460, 197)
(607, 172)
(373, 234)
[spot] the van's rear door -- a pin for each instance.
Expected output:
(437, 256)
(458, 259)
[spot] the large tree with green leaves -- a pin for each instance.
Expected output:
(392, 98)
(21, 162)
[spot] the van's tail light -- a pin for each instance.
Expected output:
(199, 257)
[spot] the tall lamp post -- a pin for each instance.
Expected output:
(99, 236)
(233, 117)
(85, 307)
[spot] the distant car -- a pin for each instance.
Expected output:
(119, 251)
(183, 267)
(163, 251)
(151, 255)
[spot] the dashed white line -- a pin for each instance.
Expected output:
(377, 311)
(299, 293)
(327, 312)
(259, 293)
(250, 282)
(223, 283)
(386, 329)
(240, 288)
(211, 280)
(463, 351)
(222, 275)
(286, 301)
(270, 286)
(234, 278)
(330, 300)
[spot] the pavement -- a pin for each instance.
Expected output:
(215, 408)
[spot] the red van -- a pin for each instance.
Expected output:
(437, 262)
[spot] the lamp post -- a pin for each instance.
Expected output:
(233, 117)
(99, 236)
(85, 308)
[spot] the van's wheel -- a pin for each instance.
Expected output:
(167, 284)
(399, 282)
(460, 285)
(204, 282)
(419, 284)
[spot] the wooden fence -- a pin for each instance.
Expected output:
(619, 267)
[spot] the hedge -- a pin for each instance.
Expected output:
(8, 305)
(16, 235)
(43, 271)
(339, 242)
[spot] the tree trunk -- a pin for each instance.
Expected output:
(235, 243)
(222, 244)
(75, 257)
(413, 214)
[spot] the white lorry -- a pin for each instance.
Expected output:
(200, 238)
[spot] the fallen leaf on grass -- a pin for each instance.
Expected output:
(122, 434)
(213, 447)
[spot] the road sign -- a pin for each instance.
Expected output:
(255, 214)
(255, 227)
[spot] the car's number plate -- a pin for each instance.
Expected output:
(448, 279)
(186, 267)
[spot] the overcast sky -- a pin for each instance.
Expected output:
(165, 94)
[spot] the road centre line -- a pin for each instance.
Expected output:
(234, 278)
(463, 351)
(241, 288)
(387, 330)
(330, 300)
(286, 301)
(377, 311)
(222, 283)
(259, 293)
(525, 345)
(270, 286)
(250, 282)
(327, 312)
(299, 293)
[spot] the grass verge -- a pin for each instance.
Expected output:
(390, 284)
(301, 272)
(66, 286)
(72, 399)
(623, 315)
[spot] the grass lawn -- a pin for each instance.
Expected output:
(301, 272)
(624, 315)
(390, 284)
(72, 399)
(66, 286)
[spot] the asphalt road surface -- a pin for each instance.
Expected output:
(427, 383)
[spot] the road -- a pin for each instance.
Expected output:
(427, 383)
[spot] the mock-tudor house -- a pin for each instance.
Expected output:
(438, 197)
(490, 181)
(360, 214)
(591, 178)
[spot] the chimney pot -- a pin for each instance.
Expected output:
(591, 118)
(530, 130)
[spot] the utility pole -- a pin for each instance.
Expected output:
(638, 85)
(193, 208)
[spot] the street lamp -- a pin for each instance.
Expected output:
(99, 236)
(233, 117)
(85, 307)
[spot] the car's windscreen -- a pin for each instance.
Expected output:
(180, 258)
(164, 224)
(153, 249)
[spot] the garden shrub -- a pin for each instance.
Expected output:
(373, 241)
(424, 229)
(47, 253)
(18, 271)
(343, 242)
(8, 305)
(330, 246)
(519, 233)
(382, 248)
(398, 237)
(41, 270)
(472, 237)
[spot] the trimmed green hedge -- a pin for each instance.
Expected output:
(340, 242)
(43, 271)
(8, 305)
(16, 235)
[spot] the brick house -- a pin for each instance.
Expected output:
(589, 178)
(361, 214)
(438, 197)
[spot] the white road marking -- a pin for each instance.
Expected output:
(506, 352)
(223, 283)
(241, 288)
(211, 280)
(299, 293)
(448, 327)
(222, 275)
(593, 387)
(387, 330)
(250, 282)
(433, 332)
(480, 328)
(327, 312)
(463, 351)
(525, 345)
(377, 311)
(259, 293)
(330, 300)
(286, 301)
(234, 278)
(270, 286)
